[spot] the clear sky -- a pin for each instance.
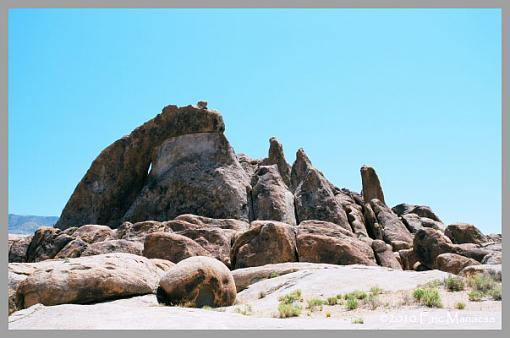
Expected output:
(414, 93)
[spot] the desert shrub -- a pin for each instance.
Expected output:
(357, 294)
(482, 283)
(207, 307)
(495, 293)
(332, 301)
(429, 297)
(315, 303)
(454, 283)
(351, 304)
(376, 291)
(475, 296)
(418, 294)
(358, 321)
(328, 314)
(289, 310)
(339, 296)
(294, 296)
(372, 301)
(460, 306)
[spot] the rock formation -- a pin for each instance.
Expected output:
(175, 192)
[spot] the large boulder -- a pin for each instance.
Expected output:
(419, 210)
(90, 279)
(139, 230)
(394, 231)
(461, 233)
(277, 157)
(18, 247)
(494, 271)
(453, 263)
(249, 165)
(384, 255)
(371, 185)
(414, 223)
(72, 249)
(408, 258)
(171, 246)
(197, 282)
(118, 175)
(429, 243)
(216, 241)
(352, 203)
(265, 243)
(92, 233)
(374, 229)
(194, 173)
(325, 242)
(46, 244)
(270, 197)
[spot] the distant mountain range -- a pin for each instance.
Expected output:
(27, 224)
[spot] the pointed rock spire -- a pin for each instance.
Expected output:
(371, 185)
(299, 169)
(276, 156)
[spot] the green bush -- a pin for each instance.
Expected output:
(454, 283)
(332, 301)
(429, 297)
(289, 310)
(357, 294)
(373, 301)
(315, 303)
(274, 275)
(495, 293)
(460, 306)
(482, 283)
(328, 314)
(294, 296)
(475, 296)
(418, 294)
(351, 304)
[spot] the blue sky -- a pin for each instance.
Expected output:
(414, 93)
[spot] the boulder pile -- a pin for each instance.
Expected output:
(175, 192)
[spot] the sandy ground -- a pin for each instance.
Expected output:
(256, 307)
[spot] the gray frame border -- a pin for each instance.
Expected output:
(6, 4)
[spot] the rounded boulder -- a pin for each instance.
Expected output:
(196, 282)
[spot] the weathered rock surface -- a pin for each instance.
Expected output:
(371, 185)
(453, 263)
(394, 231)
(196, 282)
(419, 210)
(270, 197)
(384, 255)
(88, 279)
(119, 173)
(72, 249)
(116, 245)
(265, 243)
(171, 246)
(407, 258)
(46, 243)
(485, 269)
(414, 223)
(195, 173)
(324, 242)
(92, 233)
(232, 224)
(430, 243)
(216, 241)
(461, 233)
(276, 156)
(18, 247)
(315, 200)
